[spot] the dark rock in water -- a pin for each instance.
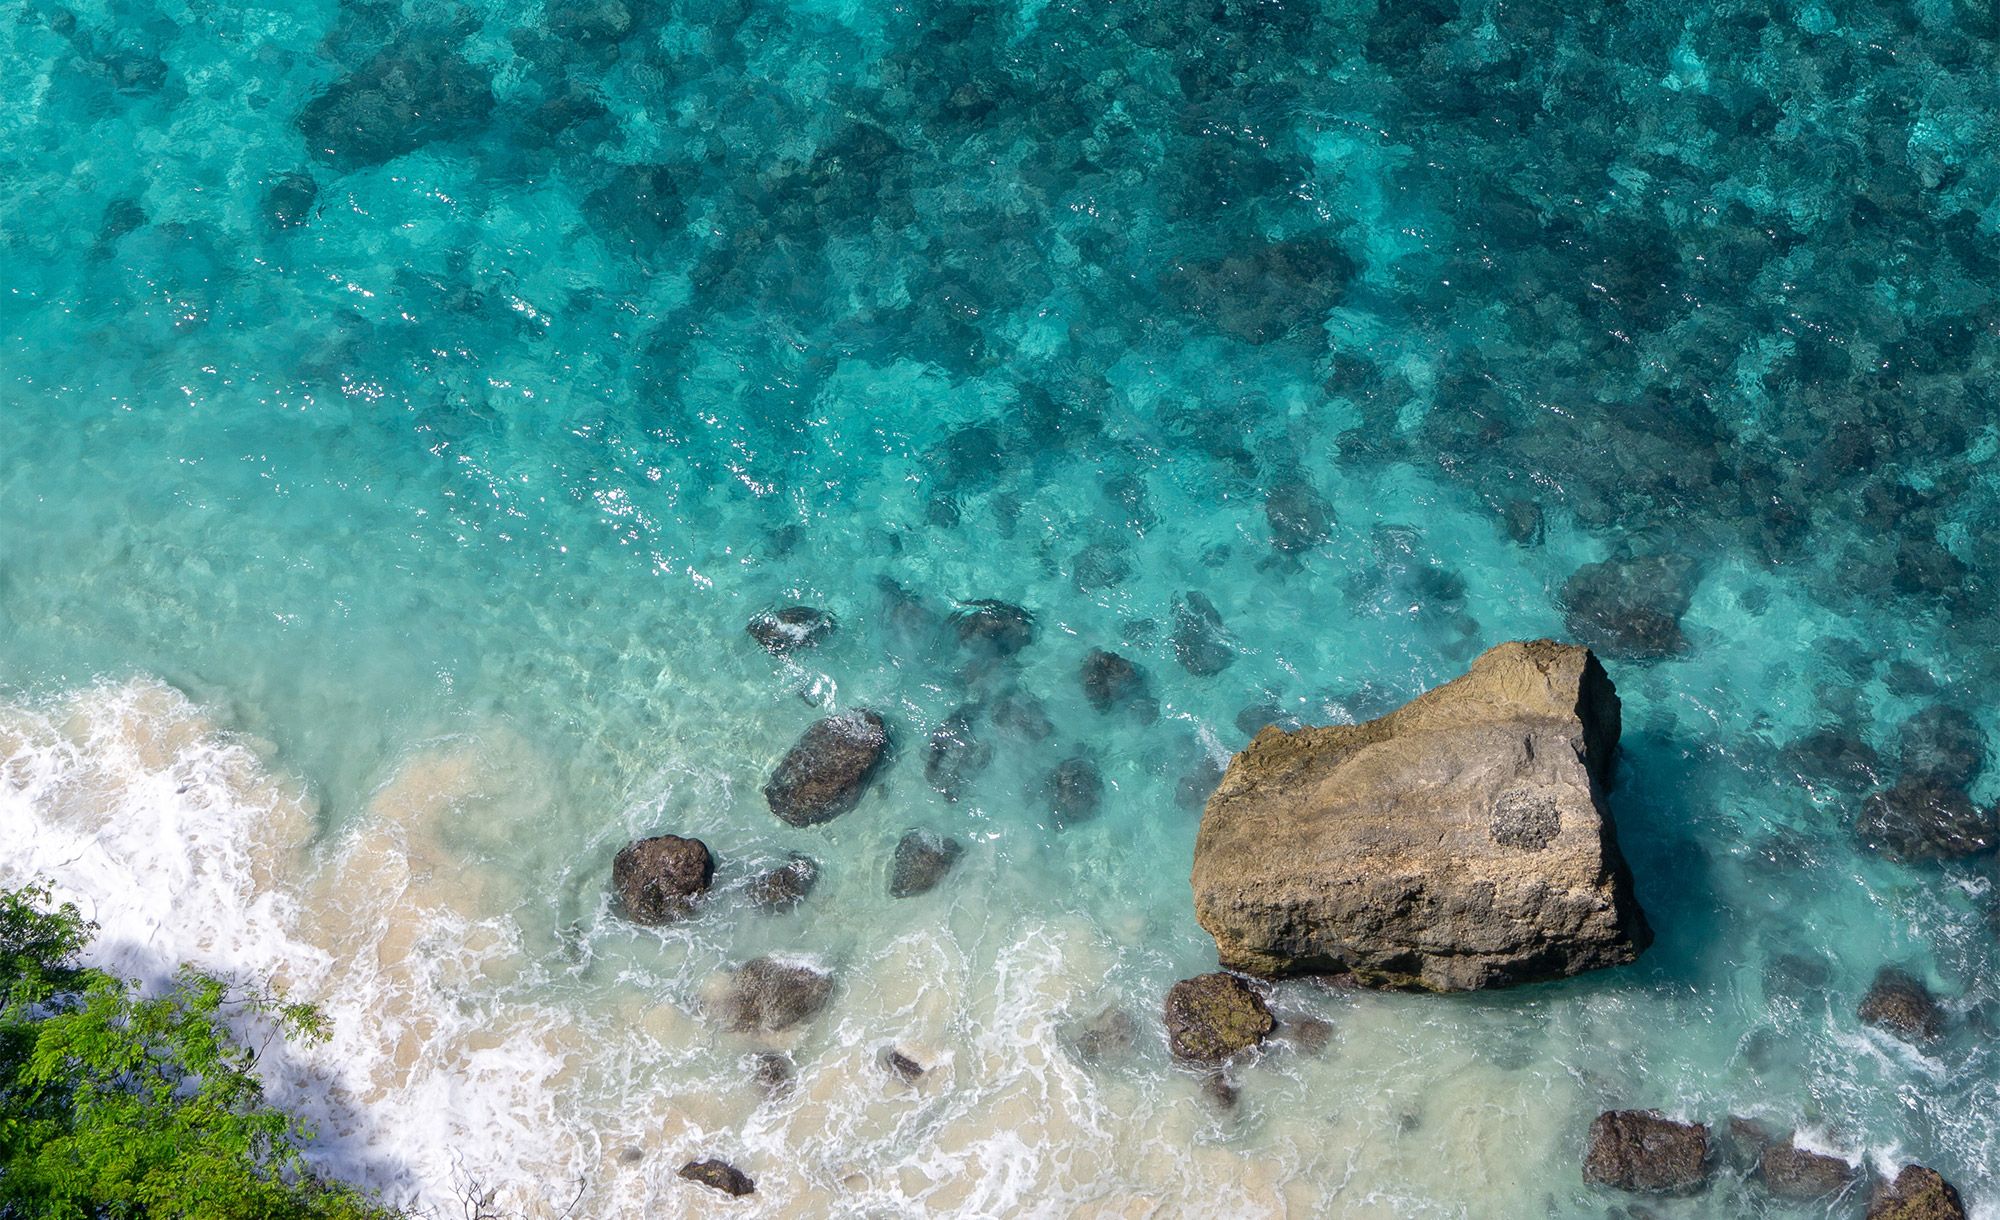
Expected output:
(1900, 1003)
(1197, 786)
(418, 90)
(922, 859)
(1198, 637)
(994, 628)
(1264, 291)
(657, 880)
(1522, 520)
(1309, 1034)
(1299, 516)
(1747, 1140)
(1641, 1150)
(641, 203)
(1076, 789)
(771, 994)
(1916, 1194)
(825, 773)
(1021, 715)
(1212, 1016)
(1098, 566)
(1459, 842)
(1833, 756)
(589, 22)
(1789, 1172)
(1253, 720)
(781, 631)
(289, 199)
(1942, 745)
(1630, 609)
(786, 886)
(774, 1071)
(719, 1175)
(1110, 681)
(897, 1064)
(1921, 820)
(956, 754)
(1216, 1087)
(907, 616)
(1109, 1035)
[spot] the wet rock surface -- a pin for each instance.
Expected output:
(1916, 1194)
(1899, 1003)
(719, 1175)
(785, 886)
(1789, 1172)
(657, 880)
(1199, 642)
(772, 994)
(786, 630)
(993, 629)
(1110, 680)
(1460, 842)
(1213, 1016)
(921, 861)
(1646, 1152)
(825, 773)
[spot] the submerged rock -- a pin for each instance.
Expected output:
(1076, 789)
(1791, 1172)
(922, 859)
(1300, 518)
(1198, 640)
(1021, 716)
(773, 1072)
(419, 90)
(1212, 1016)
(956, 754)
(1646, 1152)
(1916, 1194)
(772, 994)
(1899, 1003)
(1942, 745)
(1109, 1035)
(994, 629)
(1460, 842)
(719, 1175)
(289, 199)
(1919, 819)
(1265, 290)
(1110, 680)
(786, 886)
(779, 632)
(1630, 609)
(658, 879)
(899, 1065)
(825, 773)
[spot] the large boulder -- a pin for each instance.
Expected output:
(1212, 1016)
(1459, 842)
(825, 773)
(921, 861)
(1921, 819)
(772, 994)
(657, 880)
(1899, 1003)
(719, 1175)
(1646, 1152)
(1916, 1194)
(1788, 1171)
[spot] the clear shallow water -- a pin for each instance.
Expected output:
(375, 576)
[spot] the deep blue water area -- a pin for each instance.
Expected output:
(431, 393)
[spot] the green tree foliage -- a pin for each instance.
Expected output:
(116, 1104)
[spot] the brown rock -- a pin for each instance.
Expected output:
(1899, 1003)
(786, 886)
(780, 631)
(1644, 1151)
(1212, 1016)
(1922, 819)
(1460, 842)
(658, 879)
(1790, 1172)
(719, 1175)
(773, 994)
(1916, 1194)
(921, 861)
(825, 773)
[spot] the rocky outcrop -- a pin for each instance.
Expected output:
(1916, 1194)
(1212, 1016)
(781, 631)
(1787, 1171)
(1899, 1003)
(1075, 790)
(719, 1175)
(1460, 842)
(772, 994)
(825, 773)
(1630, 608)
(921, 861)
(1110, 680)
(1646, 1152)
(1199, 642)
(657, 880)
(1920, 819)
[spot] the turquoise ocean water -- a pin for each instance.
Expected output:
(405, 407)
